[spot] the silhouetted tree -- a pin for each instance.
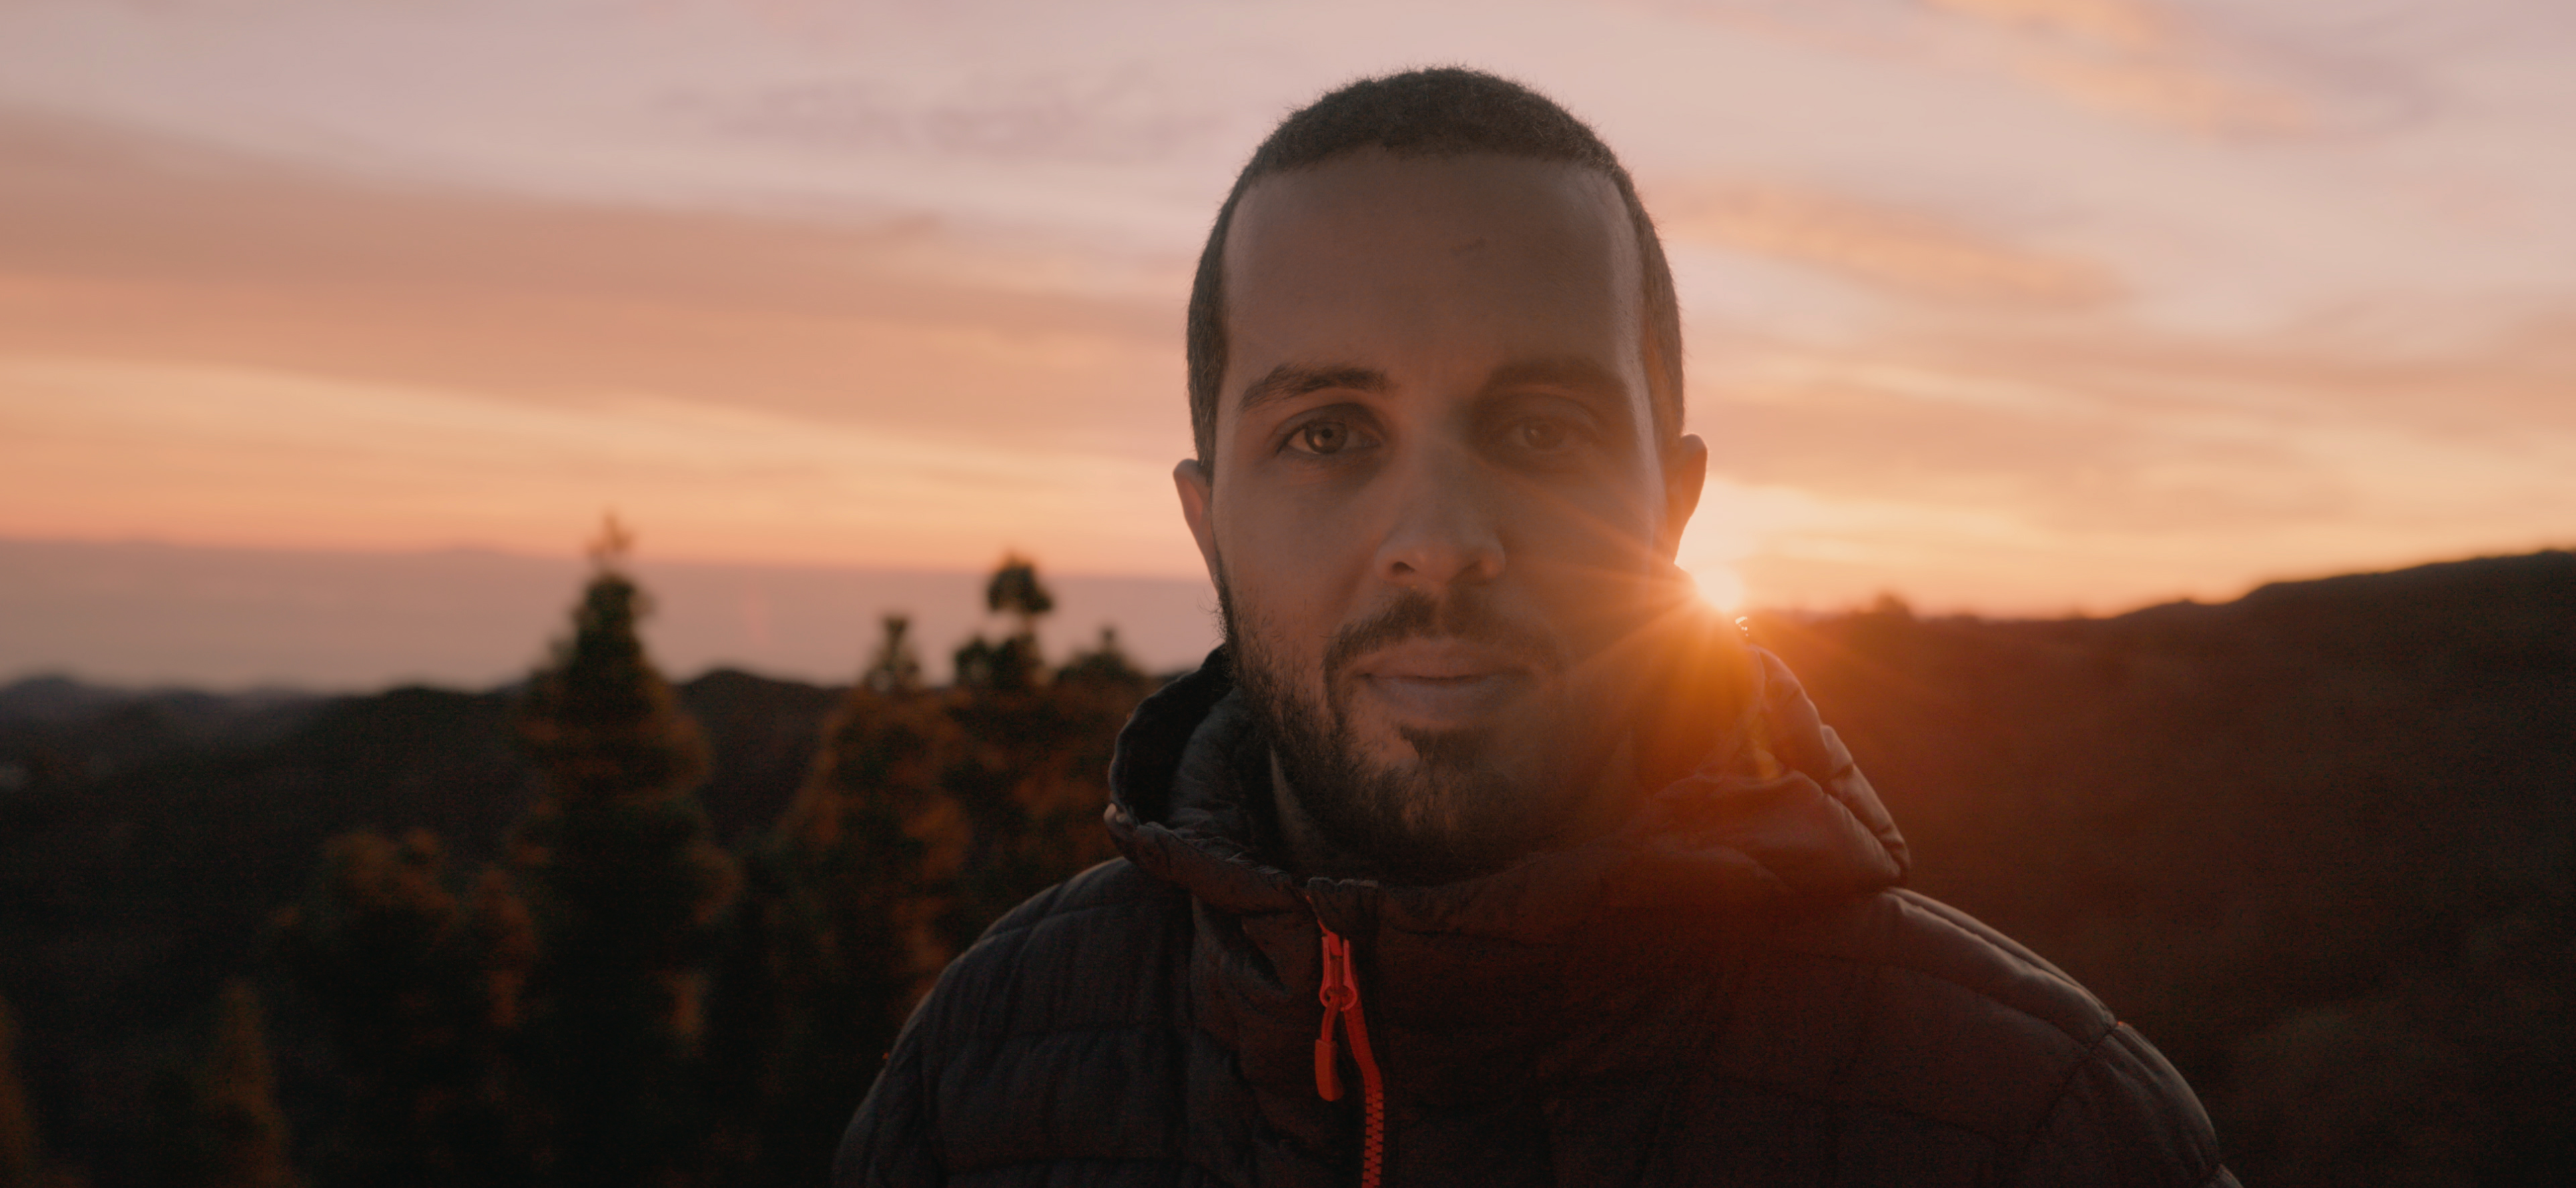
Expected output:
(1012, 664)
(402, 975)
(369, 947)
(841, 927)
(600, 723)
(925, 816)
(1036, 782)
(1015, 590)
(1105, 666)
(625, 887)
(22, 1157)
(894, 668)
(216, 1124)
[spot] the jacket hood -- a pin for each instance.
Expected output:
(1773, 809)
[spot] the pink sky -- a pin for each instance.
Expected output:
(2018, 306)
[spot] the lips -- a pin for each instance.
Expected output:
(1441, 683)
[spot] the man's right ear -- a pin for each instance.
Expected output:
(1198, 496)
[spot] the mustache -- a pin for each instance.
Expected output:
(1415, 615)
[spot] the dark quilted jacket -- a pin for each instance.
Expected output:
(1727, 992)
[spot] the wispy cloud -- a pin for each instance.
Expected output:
(2163, 64)
(2140, 61)
(1877, 244)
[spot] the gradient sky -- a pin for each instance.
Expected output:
(2019, 306)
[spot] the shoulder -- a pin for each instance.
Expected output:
(1055, 1032)
(1908, 1006)
(1092, 951)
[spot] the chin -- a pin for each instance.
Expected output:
(1431, 806)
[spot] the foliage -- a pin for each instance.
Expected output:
(1015, 590)
(218, 1121)
(599, 722)
(926, 814)
(894, 668)
(625, 888)
(839, 933)
(22, 1158)
(1011, 664)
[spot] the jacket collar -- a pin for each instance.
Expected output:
(1478, 989)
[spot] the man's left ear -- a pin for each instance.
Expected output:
(1685, 472)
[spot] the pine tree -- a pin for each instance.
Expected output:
(488, 1133)
(842, 930)
(926, 814)
(625, 887)
(368, 948)
(600, 723)
(217, 1124)
(1036, 785)
(22, 1158)
(400, 972)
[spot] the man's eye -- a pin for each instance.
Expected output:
(1322, 437)
(1541, 436)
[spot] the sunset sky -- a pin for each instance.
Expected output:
(2014, 306)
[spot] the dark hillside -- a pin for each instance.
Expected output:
(764, 733)
(54, 728)
(2319, 843)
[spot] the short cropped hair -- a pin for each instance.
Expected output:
(1442, 112)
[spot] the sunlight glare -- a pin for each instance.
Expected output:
(1719, 585)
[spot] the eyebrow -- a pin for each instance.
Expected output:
(1291, 380)
(1575, 372)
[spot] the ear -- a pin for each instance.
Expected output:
(1198, 497)
(1685, 473)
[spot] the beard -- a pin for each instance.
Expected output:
(1466, 803)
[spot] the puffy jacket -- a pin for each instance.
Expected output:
(1729, 991)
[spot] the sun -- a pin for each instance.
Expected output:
(1719, 585)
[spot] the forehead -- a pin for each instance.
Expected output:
(1426, 263)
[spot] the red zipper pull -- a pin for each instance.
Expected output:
(1340, 992)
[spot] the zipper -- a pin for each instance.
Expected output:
(1341, 997)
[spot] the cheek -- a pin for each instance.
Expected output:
(1591, 557)
(1286, 565)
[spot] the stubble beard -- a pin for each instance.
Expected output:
(1460, 809)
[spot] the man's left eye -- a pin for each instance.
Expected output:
(1542, 436)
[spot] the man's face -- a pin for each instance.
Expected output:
(1438, 508)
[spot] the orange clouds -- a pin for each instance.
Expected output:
(1878, 245)
(2008, 466)
(198, 348)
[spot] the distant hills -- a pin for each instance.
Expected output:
(234, 618)
(2318, 843)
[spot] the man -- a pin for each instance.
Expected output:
(1479, 854)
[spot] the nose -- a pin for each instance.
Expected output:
(1444, 526)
